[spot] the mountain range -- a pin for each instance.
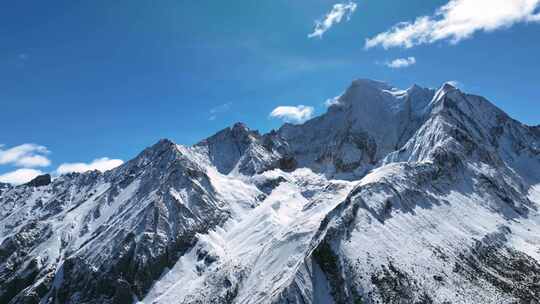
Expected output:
(392, 196)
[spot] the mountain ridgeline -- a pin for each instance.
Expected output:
(391, 196)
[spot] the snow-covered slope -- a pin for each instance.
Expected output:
(392, 196)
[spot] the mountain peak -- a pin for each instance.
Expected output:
(445, 88)
(415, 87)
(241, 129)
(448, 86)
(226, 148)
(240, 126)
(40, 180)
(371, 84)
(238, 132)
(164, 142)
(386, 169)
(162, 145)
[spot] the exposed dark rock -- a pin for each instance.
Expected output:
(394, 285)
(287, 163)
(329, 263)
(508, 270)
(41, 180)
(268, 185)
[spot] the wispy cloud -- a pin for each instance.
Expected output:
(25, 155)
(335, 16)
(399, 63)
(19, 176)
(458, 20)
(219, 109)
(100, 164)
(293, 114)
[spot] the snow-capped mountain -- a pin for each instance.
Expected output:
(392, 196)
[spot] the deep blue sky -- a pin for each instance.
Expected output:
(89, 79)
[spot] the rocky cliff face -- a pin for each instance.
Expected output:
(392, 196)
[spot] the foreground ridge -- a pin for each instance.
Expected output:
(392, 196)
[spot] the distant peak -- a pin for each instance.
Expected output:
(414, 88)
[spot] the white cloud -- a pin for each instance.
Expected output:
(100, 164)
(29, 156)
(34, 161)
(219, 109)
(19, 176)
(25, 155)
(458, 20)
(332, 101)
(296, 114)
(401, 63)
(333, 17)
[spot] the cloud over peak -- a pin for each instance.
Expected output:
(335, 16)
(332, 101)
(293, 114)
(19, 176)
(101, 164)
(458, 20)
